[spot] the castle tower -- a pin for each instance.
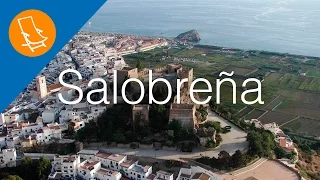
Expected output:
(41, 87)
(186, 73)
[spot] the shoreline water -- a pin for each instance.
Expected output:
(199, 43)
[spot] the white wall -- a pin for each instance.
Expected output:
(48, 116)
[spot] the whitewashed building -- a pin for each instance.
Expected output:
(197, 173)
(8, 158)
(67, 165)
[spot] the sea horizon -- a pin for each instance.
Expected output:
(283, 26)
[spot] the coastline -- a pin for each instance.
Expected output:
(97, 33)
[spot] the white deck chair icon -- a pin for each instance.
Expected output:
(33, 36)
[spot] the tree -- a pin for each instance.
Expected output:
(27, 167)
(14, 177)
(203, 111)
(224, 159)
(238, 159)
(119, 137)
(279, 152)
(43, 168)
(223, 155)
(175, 125)
(89, 133)
(139, 65)
(261, 143)
(158, 117)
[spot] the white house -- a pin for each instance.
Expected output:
(7, 118)
(8, 158)
(89, 169)
(2, 120)
(63, 116)
(273, 128)
(67, 165)
(106, 174)
(67, 94)
(88, 154)
(3, 139)
(12, 141)
(162, 175)
(197, 173)
(48, 116)
(133, 170)
(48, 133)
(112, 161)
(22, 129)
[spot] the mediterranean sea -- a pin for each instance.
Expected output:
(287, 26)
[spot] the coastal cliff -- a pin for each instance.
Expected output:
(192, 36)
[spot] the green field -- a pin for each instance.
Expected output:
(304, 126)
(282, 74)
(299, 108)
(255, 114)
(278, 117)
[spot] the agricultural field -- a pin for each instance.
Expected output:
(299, 109)
(274, 103)
(301, 96)
(310, 84)
(291, 85)
(314, 72)
(242, 71)
(244, 112)
(273, 78)
(255, 114)
(304, 126)
(277, 117)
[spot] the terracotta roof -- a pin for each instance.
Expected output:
(116, 157)
(151, 176)
(88, 164)
(54, 127)
(201, 176)
(283, 142)
(128, 163)
(54, 86)
(103, 155)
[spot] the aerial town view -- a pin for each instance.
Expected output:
(44, 138)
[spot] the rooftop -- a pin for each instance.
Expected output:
(116, 157)
(108, 172)
(201, 176)
(128, 163)
(88, 164)
(103, 155)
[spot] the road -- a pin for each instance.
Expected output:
(232, 141)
